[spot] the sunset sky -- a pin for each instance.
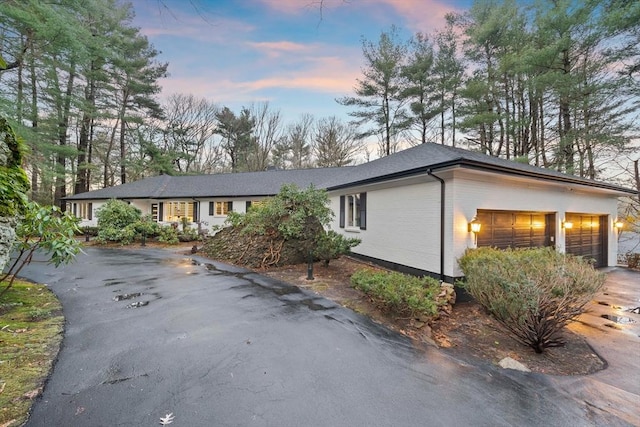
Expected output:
(292, 53)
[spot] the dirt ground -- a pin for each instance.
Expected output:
(467, 333)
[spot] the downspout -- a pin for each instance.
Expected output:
(430, 173)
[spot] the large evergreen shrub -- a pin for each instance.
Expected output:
(534, 293)
(284, 229)
(116, 222)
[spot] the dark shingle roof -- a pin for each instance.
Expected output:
(244, 184)
(419, 159)
(435, 157)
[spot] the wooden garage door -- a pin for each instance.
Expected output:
(587, 237)
(504, 229)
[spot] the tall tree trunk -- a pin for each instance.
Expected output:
(123, 128)
(566, 137)
(107, 155)
(34, 120)
(82, 176)
(442, 110)
(636, 173)
(453, 118)
(63, 126)
(20, 90)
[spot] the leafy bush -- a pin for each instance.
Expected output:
(46, 229)
(332, 245)
(147, 226)
(168, 234)
(633, 259)
(88, 230)
(116, 222)
(534, 293)
(399, 292)
(287, 213)
(284, 229)
(190, 235)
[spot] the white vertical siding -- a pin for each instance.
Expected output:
(472, 192)
(239, 205)
(403, 221)
(403, 225)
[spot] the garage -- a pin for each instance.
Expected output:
(587, 237)
(515, 229)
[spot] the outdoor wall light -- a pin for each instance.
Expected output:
(568, 225)
(474, 226)
(618, 224)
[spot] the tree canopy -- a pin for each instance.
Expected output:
(553, 83)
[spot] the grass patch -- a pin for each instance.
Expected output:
(31, 325)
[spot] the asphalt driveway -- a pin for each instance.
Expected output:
(150, 332)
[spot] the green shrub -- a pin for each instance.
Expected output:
(633, 259)
(287, 213)
(45, 229)
(332, 245)
(399, 292)
(168, 234)
(147, 226)
(188, 235)
(88, 230)
(534, 293)
(116, 222)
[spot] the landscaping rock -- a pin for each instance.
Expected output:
(7, 237)
(509, 363)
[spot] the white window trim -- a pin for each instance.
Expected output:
(173, 213)
(352, 216)
(224, 204)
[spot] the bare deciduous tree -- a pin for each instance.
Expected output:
(335, 143)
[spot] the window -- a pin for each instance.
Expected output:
(83, 210)
(353, 211)
(154, 212)
(175, 211)
(253, 203)
(220, 208)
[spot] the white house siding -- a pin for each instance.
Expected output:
(95, 205)
(211, 221)
(470, 192)
(403, 224)
(144, 205)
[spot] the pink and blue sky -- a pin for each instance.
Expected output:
(299, 55)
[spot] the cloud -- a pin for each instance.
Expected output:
(197, 25)
(278, 48)
(419, 15)
(296, 7)
(329, 75)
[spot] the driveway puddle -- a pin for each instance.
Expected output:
(138, 304)
(286, 290)
(314, 306)
(113, 282)
(618, 319)
(126, 296)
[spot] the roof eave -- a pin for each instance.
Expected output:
(485, 167)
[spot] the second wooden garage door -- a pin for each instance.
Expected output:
(503, 229)
(587, 237)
